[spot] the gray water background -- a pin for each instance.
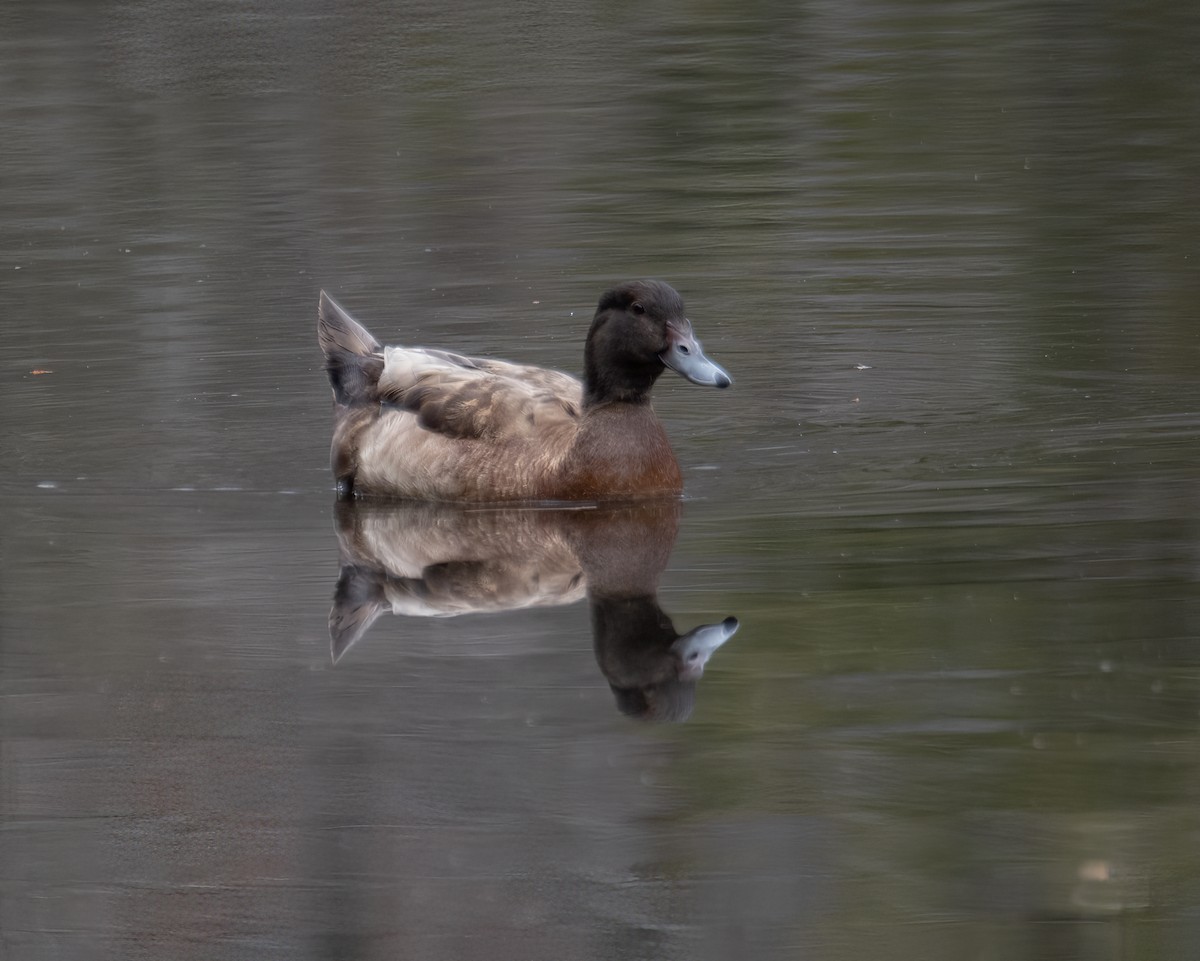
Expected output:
(949, 253)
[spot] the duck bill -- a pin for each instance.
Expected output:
(698, 644)
(684, 356)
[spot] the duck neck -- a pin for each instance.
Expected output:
(612, 384)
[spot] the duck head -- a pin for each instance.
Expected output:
(639, 330)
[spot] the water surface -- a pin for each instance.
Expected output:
(949, 255)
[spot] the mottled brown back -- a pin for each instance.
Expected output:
(470, 398)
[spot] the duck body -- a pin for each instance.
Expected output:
(433, 425)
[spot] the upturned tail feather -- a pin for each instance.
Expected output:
(357, 601)
(353, 358)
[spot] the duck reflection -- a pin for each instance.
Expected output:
(432, 560)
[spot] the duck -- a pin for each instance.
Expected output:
(424, 559)
(425, 424)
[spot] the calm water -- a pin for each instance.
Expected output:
(949, 253)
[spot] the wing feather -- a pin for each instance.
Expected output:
(470, 397)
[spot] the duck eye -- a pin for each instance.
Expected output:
(637, 308)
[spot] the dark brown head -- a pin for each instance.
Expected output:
(640, 328)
